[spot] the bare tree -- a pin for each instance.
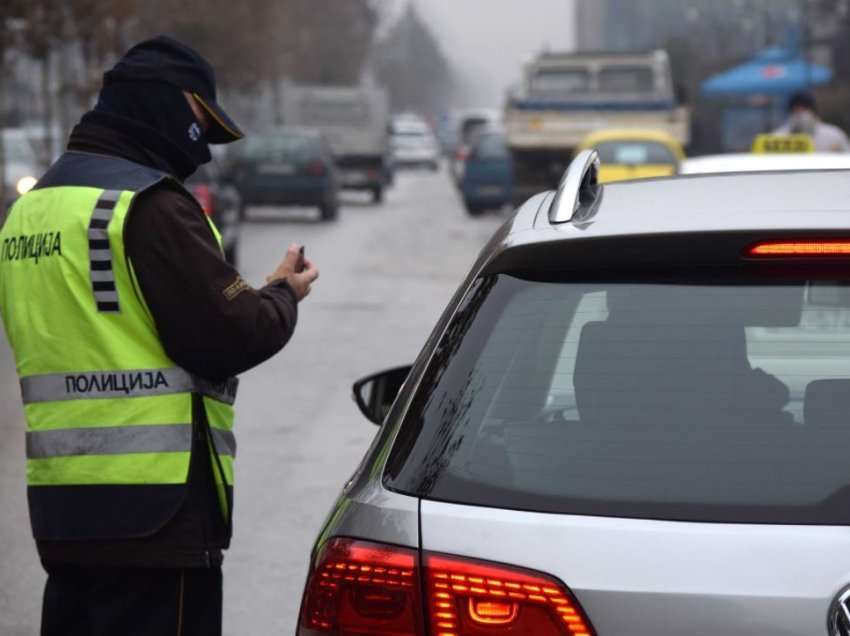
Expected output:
(411, 65)
(252, 44)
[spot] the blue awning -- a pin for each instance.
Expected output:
(774, 71)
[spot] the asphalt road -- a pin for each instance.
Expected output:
(386, 274)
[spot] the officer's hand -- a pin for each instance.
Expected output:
(300, 282)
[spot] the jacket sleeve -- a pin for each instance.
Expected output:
(210, 321)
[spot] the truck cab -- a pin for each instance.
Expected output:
(566, 96)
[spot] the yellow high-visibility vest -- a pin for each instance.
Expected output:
(110, 424)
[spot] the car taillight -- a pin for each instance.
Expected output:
(315, 169)
(468, 598)
(362, 588)
(802, 248)
(204, 196)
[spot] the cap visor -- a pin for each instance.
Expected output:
(222, 130)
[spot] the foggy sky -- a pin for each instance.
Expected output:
(487, 41)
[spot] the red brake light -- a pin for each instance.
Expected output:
(362, 588)
(204, 196)
(470, 598)
(801, 248)
(316, 168)
(369, 589)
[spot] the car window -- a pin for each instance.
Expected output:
(282, 148)
(471, 126)
(634, 153)
(412, 134)
(626, 79)
(687, 401)
(314, 111)
(491, 147)
(19, 151)
(559, 82)
(410, 128)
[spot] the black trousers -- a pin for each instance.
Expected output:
(132, 602)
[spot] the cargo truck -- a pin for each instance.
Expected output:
(354, 121)
(566, 96)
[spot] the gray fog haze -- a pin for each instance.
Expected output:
(488, 40)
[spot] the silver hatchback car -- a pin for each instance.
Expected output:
(633, 419)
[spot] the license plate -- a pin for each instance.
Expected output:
(491, 190)
(276, 168)
(353, 177)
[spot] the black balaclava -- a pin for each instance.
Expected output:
(157, 116)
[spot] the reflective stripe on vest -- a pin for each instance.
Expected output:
(100, 254)
(121, 440)
(92, 385)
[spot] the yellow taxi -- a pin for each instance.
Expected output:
(634, 153)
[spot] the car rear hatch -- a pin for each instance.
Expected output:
(662, 436)
(652, 578)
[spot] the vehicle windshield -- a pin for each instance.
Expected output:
(491, 147)
(18, 151)
(471, 127)
(626, 79)
(411, 131)
(634, 152)
(559, 82)
(281, 148)
(700, 401)
(325, 112)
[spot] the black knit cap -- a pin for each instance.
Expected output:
(164, 59)
(802, 99)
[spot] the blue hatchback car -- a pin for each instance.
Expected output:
(487, 179)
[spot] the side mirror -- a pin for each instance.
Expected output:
(376, 393)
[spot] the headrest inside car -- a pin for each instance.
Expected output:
(827, 403)
(740, 305)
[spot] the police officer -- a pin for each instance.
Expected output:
(803, 119)
(128, 328)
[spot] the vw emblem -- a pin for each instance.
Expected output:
(838, 622)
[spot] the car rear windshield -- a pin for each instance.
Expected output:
(471, 126)
(282, 148)
(634, 153)
(19, 151)
(491, 147)
(314, 111)
(703, 401)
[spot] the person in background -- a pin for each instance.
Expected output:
(128, 328)
(803, 119)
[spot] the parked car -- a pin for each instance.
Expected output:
(634, 153)
(469, 124)
(749, 162)
(412, 143)
(630, 419)
(220, 200)
(288, 166)
(487, 181)
(22, 166)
